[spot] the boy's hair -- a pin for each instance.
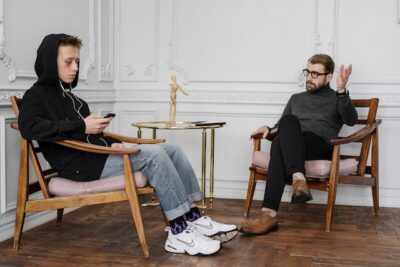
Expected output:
(324, 60)
(71, 40)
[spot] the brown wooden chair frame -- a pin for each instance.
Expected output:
(367, 174)
(49, 202)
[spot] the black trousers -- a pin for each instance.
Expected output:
(289, 149)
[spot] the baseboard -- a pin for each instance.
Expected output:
(31, 221)
(346, 194)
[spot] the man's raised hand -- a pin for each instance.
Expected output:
(343, 77)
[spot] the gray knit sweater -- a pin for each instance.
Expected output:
(323, 112)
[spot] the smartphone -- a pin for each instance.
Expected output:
(109, 115)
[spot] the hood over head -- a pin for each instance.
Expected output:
(46, 61)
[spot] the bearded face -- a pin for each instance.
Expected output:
(316, 77)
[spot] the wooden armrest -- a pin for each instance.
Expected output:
(95, 148)
(134, 140)
(358, 135)
(269, 137)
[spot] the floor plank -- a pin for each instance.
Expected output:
(104, 235)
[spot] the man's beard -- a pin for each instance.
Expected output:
(312, 88)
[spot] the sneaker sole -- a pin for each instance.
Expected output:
(224, 237)
(272, 229)
(172, 250)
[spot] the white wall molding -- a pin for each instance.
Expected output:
(7, 222)
(235, 97)
(3, 191)
(8, 64)
(5, 95)
(398, 11)
(147, 71)
(4, 121)
(89, 95)
(90, 63)
(105, 74)
(226, 187)
(172, 63)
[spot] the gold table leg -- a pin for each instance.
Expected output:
(203, 169)
(212, 168)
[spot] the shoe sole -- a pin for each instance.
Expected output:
(224, 237)
(172, 250)
(272, 229)
(301, 198)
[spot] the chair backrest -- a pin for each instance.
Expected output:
(43, 175)
(362, 158)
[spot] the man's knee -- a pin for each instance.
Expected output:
(152, 150)
(289, 121)
(171, 147)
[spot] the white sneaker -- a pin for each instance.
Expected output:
(191, 242)
(215, 230)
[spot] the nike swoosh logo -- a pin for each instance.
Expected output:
(191, 244)
(209, 226)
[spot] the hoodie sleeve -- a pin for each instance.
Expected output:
(34, 124)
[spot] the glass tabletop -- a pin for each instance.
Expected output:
(179, 125)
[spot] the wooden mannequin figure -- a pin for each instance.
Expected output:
(174, 86)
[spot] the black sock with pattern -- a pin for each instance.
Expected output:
(178, 225)
(193, 214)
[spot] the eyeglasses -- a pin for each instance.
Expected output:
(314, 74)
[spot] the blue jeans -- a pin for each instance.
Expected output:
(168, 170)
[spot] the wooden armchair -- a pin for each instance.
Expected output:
(344, 169)
(121, 189)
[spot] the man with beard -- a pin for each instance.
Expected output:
(309, 120)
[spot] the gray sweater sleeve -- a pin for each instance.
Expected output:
(346, 109)
(286, 111)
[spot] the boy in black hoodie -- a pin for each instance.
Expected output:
(51, 112)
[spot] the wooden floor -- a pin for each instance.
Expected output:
(104, 235)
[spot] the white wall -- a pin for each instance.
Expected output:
(239, 60)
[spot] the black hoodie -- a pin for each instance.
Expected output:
(48, 113)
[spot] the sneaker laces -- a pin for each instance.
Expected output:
(192, 228)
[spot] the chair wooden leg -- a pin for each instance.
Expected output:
(22, 194)
(19, 223)
(333, 181)
(60, 213)
(375, 172)
(134, 204)
(375, 197)
(250, 193)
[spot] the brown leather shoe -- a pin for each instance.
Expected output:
(260, 225)
(301, 193)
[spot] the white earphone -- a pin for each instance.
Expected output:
(77, 110)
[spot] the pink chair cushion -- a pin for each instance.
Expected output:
(63, 187)
(314, 168)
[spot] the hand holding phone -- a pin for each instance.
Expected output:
(109, 115)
